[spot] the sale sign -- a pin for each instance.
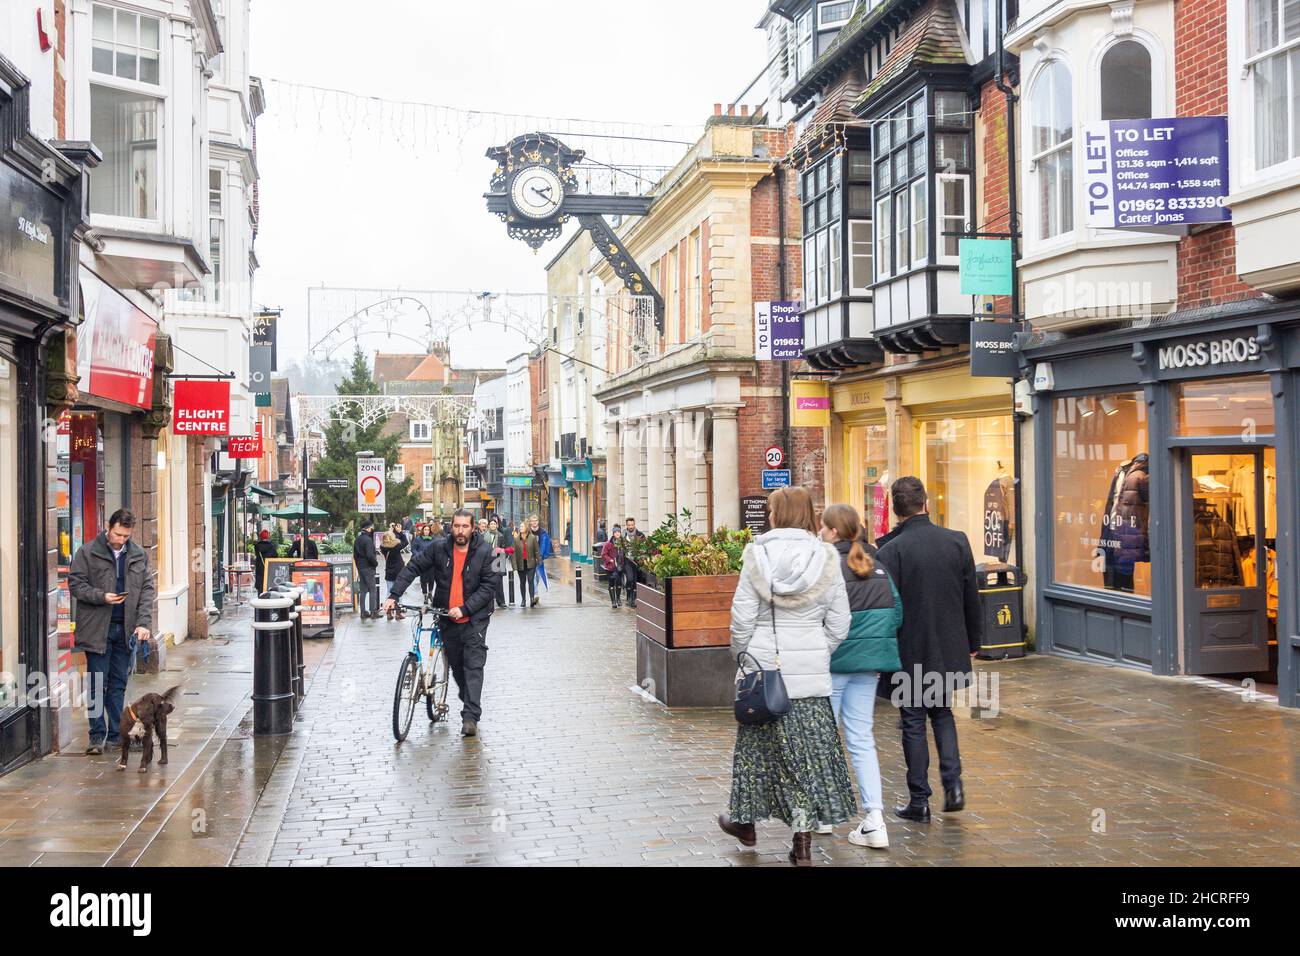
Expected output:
(201, 408)
(370, 486)
(246, 446)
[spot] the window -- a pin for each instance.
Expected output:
(900, 188)
(420, 431)
(832, 16)
(10, 572)
(1126, 82)
(397, 473)
(920, 222)
(472, 482)
(954, 213)
(428, 477)
(1052, 149)
(218, 62)
(695, 298)
(125, 128)
(125, 45)
(1273, 33)
(860, 257)
(216, 227)
(966, 468)
(803, 27)
(1100, 475)
(902, 225)
(822, 196)
(1239, 407)
(884, 239)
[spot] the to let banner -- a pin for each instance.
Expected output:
(371, 486)
(201, 408)
(778, 331)
(1139, 174)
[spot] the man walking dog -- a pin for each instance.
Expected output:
(466, 584)
(114, 590)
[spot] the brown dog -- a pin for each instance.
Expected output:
(145, 717)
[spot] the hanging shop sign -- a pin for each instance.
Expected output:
(115, 345)
(201, 408)
(371, 488)
(1157, 172)
(259, 369)
(810, 404)
(778, 331)
(264, 333)
(753, 513)
(245, 446)
(993, 350)
(985, 266)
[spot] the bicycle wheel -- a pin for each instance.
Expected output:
(404, 697)
(435, 701)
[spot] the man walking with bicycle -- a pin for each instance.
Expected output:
(465, 587)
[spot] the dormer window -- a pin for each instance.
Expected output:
(832, 16)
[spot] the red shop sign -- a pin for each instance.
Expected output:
(115, 345)
(245, 446)
(201, 408)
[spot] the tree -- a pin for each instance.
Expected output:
(344, 437)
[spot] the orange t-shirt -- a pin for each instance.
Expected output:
(457, 598)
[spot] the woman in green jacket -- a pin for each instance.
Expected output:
(856, 665)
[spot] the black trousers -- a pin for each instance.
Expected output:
(368, 601)
(916, 749)
(527, 585)
(501, 590)
(467, 654)
(629, 585)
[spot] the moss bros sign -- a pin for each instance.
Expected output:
(1209, 353)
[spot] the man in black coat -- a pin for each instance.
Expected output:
(934, 571)
(313, 552)
(367, 561)
(466, 588)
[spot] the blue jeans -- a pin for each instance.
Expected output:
(853, 698)
(107, 673)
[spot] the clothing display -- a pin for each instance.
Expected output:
(1218, 560)
(999, 520)
(1240, 483)
(1125, 539)
(1249, 573)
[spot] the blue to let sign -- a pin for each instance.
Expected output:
(1139, 174)
(776, 478)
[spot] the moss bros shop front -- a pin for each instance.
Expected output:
(1168, 498)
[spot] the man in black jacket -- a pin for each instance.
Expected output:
(313, 552)
(465, 588)
(934, 571)
(367, 561)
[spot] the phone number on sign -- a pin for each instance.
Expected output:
(1162, 205)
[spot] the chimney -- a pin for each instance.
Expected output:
(717, 109)
(744, 110)
(731, 109)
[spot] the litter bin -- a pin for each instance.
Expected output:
(1002, 594)
(273, 698)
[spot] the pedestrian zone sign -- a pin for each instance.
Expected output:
(371, 490)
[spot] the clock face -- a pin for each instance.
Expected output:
(536, 192)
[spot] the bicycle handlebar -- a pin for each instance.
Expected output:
(424, 609)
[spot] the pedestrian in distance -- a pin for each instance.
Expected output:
(423, 538)
(934, 571)
(613, 558)
(790, 612)
(631, 536)
(264, 549)
(871, 648)
(394, 542)
(313, 552)
(528, 555)
(366, 558)
(493, 537)
(110, 581)
(601, 535)
(466, 583)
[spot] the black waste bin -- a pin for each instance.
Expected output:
(1002, 594)
(273, 698)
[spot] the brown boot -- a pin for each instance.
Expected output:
(801, 850)
(744, 832)
(388, 615)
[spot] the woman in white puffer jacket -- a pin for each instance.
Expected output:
(791, 768)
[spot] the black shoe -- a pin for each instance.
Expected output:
(534, 604)
(954, 798)
(917, 811)
(469, 728)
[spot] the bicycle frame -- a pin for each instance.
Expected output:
(418, 630)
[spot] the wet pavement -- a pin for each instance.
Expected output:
(1082, 764)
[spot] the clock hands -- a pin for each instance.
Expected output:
(544, 193)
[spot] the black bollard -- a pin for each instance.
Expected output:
(273, 698)
(297, 666)
(577, 583)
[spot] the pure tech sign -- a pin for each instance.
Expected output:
(1208, 353)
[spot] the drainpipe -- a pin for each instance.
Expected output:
(1013, 200)
(781, 293)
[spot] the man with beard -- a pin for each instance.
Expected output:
(466, 584)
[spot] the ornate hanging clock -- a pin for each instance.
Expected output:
(534, 191)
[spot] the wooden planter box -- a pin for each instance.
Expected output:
(687, 611)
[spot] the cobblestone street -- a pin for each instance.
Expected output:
(1083, 765)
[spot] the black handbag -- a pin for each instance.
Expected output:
(760, 695)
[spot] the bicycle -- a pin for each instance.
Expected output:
(421, 675)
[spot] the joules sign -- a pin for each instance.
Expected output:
(201, 408)
(1201, 354)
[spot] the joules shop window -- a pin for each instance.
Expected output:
(1100, 481)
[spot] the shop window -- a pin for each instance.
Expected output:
(1100, 484)
(867, 455)
(1126, 82)
(1052, 149)
(9, 571)
(1236, 407)
(967, 470)
(1273, 56)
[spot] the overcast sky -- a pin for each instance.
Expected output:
(358, 193)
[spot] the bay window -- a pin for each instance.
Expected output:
(125, 112)
(1273, 51)
(822, 197)
(216, 227)
(803, 28)
(1126, 82)
(1052, 149)
(901, 163)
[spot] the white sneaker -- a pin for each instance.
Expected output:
(871, 832)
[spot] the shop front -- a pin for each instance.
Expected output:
(1167, 502)
(41, 195)
(951, 430)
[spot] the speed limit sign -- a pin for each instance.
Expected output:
(774, 456)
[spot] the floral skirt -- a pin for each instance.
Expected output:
(792, 769)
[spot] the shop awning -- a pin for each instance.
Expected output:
(294, 513)
(259, 490)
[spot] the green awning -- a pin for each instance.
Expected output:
(294, 513)
(259, 490)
